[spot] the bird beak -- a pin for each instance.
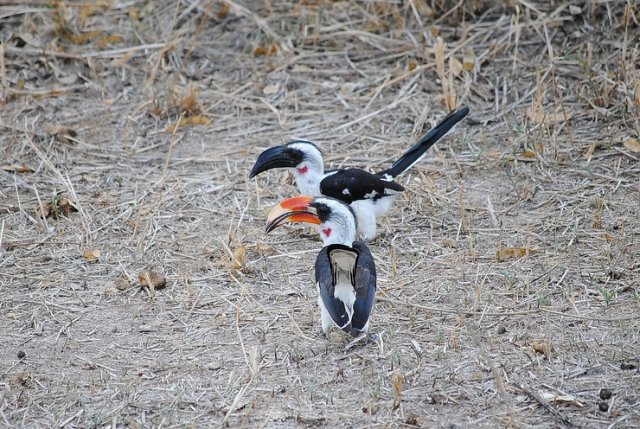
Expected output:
(294, 209)
(274, 157)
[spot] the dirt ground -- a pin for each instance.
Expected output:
(508, 271)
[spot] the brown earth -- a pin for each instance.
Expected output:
(508, 272)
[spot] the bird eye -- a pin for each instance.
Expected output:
(323, 212)
(295, 154)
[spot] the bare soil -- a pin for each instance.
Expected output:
(508, 272)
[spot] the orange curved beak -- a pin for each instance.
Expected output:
(294, 209)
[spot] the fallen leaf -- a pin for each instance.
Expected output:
(18, 169)
(424, 9)
(91, 255)
(512, 252)
(152, 279)
(527, 154)
(223, 9)
(134, 13)
(397, 380)
(468, 59)
(62, 134)
(188, 104)
(455, 66)
(192, 120)
(261, 51)
(271, 89)
(97, 7)
(57, 207)
(239, 258)
(82, 38)
(633, 145)
(108, 39)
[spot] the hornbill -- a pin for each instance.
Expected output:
(370, 195)
(345, 271)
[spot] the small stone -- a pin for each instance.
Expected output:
(412, 420)
(603, 406)
(502, 330)
(575, 10)
(627, 365)
(214, 365)
(22, 354)
(605, 394)
(146, 328)
(122, 283)
(110, 291)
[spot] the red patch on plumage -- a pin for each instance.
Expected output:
(303, 170)
(327, 231)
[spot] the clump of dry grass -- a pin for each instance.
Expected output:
(507, 271)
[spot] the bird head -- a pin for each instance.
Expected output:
(301, 157)
(334, 220)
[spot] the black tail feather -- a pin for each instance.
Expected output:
(418, 150)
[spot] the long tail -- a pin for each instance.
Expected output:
(418, 150)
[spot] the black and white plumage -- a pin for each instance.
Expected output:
(369, 194)
(345, 270)
(346, 279)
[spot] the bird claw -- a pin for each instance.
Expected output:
(367, 338)
(356, 340)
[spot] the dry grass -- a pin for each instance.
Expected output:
(508, 272)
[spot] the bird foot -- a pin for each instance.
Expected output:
(366, 338)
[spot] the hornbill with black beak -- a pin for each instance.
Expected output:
(370, 195)
(345, 271)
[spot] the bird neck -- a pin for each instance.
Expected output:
(308, 176)
(337, 234)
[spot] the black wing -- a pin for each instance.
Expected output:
(325, 279)
(365, 285)
(353, 184)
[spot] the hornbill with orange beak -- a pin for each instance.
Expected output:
(345, 271)
(370, 195)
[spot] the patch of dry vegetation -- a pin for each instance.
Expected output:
(508, 271)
